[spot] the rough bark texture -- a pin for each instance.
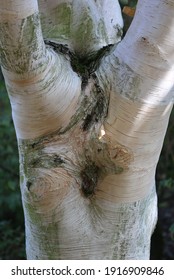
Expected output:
(90, 120)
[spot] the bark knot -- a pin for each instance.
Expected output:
(89, 176)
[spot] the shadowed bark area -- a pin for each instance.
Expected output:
(90, 122)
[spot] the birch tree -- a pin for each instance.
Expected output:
(90, 110)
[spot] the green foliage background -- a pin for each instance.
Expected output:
(11, 214)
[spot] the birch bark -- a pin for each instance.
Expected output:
(90, 119)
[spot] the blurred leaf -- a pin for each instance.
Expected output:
(166, 183)
(132, 3)
(171, 230)
(129, 3)
(124, 2)
(11, 215)
(129, 11)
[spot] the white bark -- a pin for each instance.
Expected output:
(87, 178)
(86, 26)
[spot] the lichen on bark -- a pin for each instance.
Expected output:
(57, 25)
(19, 55)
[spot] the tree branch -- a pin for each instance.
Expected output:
(85, 25)
(151, 34)
(148, 47)
(21, 43)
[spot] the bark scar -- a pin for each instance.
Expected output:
(89, 176)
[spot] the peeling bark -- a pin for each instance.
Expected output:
(90, 119)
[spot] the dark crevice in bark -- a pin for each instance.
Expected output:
(89, 176)
(28, 185)
(84, 66)
(93, 108)
(99, 108)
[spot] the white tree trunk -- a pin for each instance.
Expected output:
(90, 121)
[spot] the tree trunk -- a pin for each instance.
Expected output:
(90, 115)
